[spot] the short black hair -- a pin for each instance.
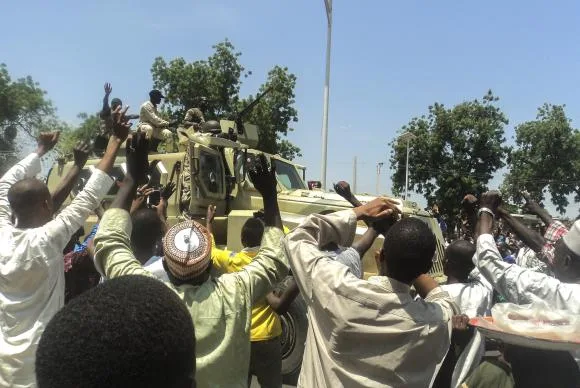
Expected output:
(25, 194)
(408, 249)
(252, 232)
(458, 259)
(148, 230)
(131, 331)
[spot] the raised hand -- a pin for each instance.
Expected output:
(121, 126)
(137, 163)
(491, 200)
(377, 209)
(81, 153)
(168, 191)
(263, 177)
(46, 142)
(342, 188)
(108, 88)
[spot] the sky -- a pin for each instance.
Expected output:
(390, 60)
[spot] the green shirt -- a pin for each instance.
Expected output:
(221, 308)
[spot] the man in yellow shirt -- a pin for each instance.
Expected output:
(266, 328)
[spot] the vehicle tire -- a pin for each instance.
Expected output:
(294, 329)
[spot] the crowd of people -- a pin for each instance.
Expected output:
(139, 303)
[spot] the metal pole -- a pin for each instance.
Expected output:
(354, 175)
(328, 4)
(407, 173)
(379, 165)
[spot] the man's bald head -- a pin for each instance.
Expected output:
(31, 202)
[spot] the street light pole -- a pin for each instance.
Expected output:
(407, 137)
(328, 5)
(379, 165)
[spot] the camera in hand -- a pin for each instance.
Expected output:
(154, 198)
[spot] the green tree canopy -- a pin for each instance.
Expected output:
(546, 158)
(25, 111)
(219, 79)
(455, 151)
(85, 131)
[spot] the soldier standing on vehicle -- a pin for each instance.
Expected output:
(151, 123)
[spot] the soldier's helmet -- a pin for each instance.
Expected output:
(211, 126)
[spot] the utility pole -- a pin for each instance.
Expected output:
(328, 5)
(379, 166)
(407, 137)
(354, 162)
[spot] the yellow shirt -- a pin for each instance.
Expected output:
(265, 322)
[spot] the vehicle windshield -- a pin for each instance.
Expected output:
(288, 176)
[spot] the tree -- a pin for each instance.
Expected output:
(86, 131)
(546, 158)
(219, 79)
(24, 111)
(274, 113)
(456, 151)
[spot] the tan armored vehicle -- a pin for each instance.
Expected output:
(218, 176)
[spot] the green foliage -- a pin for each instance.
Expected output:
(274, 113)
(219, 79)
(456, 151)
(24, 111)
(546, 158)
(86, 131)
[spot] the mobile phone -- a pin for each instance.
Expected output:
(154, 198)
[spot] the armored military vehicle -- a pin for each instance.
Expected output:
(217, 175)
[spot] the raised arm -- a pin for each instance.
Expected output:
(270, 265)
(106, 108)
(535, 208)
(26, 168)
(113, 254)
(516, 284)
(81, 154)
(73, 216)
(280, 304)
(528, 236)
(304, 244)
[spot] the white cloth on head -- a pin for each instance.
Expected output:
(363, 333)
(32, 271)
(572, 238)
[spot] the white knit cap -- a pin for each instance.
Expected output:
(572, 238)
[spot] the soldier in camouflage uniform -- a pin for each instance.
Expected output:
(192, 122)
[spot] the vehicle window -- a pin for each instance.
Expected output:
(117, 174)
(155, 177)
(288, 176)
(211, 172)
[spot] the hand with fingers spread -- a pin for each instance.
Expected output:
(168, 191)
(108, 89)
(121, 125)
(263, 177)
(46, 141)
(140, 197)
(81, 154)
(137, 162)
(377, 209)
